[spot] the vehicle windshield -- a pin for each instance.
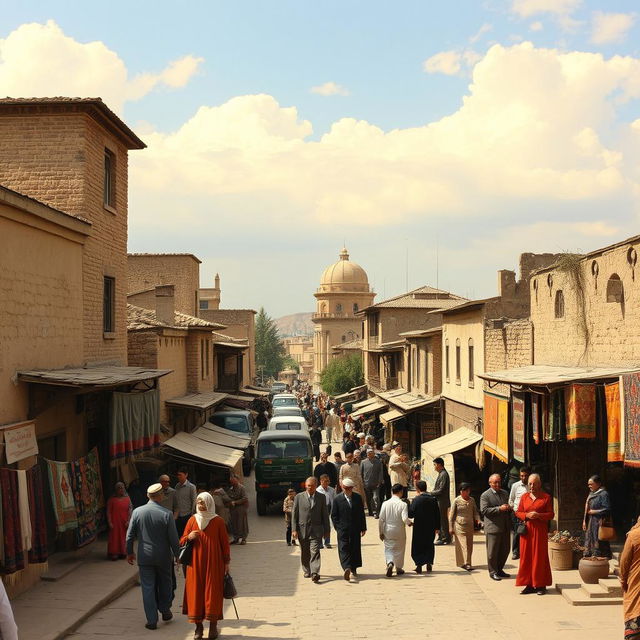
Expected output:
(285, 402)
(239, 424)
(287, 426)
(287, 411)
(276, 449)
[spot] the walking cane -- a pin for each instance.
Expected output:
(234, 607)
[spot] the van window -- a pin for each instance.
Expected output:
(284, 449)
(285, 402)
(239, 424)
(287, 426)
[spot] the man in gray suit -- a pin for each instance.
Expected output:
(495, 509)
(310, 526)
(440, 492)
(155, 529)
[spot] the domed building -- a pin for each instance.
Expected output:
(344, 290)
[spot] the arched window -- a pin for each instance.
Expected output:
(355, 307)
(559, 305)
(338, 308)
(458, 361)
(471, 364)
(615, 289)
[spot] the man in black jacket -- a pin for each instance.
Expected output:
(347, 514)
(441, 493)
(328, 468)
(316, 441)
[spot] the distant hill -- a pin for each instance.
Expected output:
(297, 324)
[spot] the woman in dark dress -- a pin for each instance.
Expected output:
(597, 507)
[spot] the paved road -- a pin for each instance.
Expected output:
(277, 602)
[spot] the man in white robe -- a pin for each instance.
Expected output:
(394, 516)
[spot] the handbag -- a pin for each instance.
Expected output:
(229, 591)
(186, 554)
(606, 530)
(521, 529)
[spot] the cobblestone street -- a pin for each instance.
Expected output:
(277, 602)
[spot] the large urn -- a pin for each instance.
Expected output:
(592, 569)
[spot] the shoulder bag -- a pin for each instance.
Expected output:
(606, 530)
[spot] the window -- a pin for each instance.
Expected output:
(559, 304)
(355, 307)
(615, 289)
(109, 179)
(471, 364)
(338, 308)
(372, 319)
(458, 361)
(109, 305)
(204, 304)
(446, 361)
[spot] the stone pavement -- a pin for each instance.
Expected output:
(277, 602)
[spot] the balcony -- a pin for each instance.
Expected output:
(377, 384)
(320, 316)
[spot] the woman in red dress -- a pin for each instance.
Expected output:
(203, 591)
(118, 516)
(535, 510)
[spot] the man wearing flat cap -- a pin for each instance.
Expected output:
(155, 529)
(347, 514)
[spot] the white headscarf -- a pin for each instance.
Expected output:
(203, 518)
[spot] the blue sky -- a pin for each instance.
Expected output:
(441, 130)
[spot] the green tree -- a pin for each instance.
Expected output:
(269, 349)
(289, 363)
(342, 374)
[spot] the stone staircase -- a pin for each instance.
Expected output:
(607, 591)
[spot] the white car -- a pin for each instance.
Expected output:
(287, 411)
(284, 400)
(288, 423)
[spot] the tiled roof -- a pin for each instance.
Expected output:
(139, 318)
(352, 345)
(164, 255)
(221, 337)
(420, 298)
(94, 106)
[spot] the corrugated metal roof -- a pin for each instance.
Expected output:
(421, 298)
(204, 400)
(540, 374)
(105, 376)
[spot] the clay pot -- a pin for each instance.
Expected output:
(592, 569)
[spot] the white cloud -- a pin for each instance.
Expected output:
(485, 28)
(536, 26)
(447, 62)
(39, 60)
(330, 89)
(611, 27)
(528, 8)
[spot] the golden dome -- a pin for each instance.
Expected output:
(344, 275)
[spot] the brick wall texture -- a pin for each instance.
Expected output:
(59, 160)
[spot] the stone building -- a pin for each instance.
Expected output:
(344, 290)
(300, 349)
(63, 336)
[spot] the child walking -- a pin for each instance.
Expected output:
(287, 507)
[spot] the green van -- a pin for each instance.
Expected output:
(284, 459)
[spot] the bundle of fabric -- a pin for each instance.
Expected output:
(13, 549)
(64, 506)
(39, 552)
(631, 390)
(580, 411)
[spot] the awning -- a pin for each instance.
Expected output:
(346, 396)
(238, 402)
(192, 446)
(362, 403)
(224, 440)
(542, 375)
(254, 392)
(202, 401)
(407, 401)
(227, 432)
(378, 405)
(391, 416)
(231, 345)
(106, 376)
(451, 442)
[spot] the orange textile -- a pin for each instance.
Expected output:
(490, 423)
(580, 403)
(203, 594)
(614, 423)
(535, 570)
(502, 445)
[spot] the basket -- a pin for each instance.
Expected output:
(561, 556)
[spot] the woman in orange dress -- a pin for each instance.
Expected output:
(118, 516)
(535, 510)
(203, 591)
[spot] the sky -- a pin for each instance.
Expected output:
(436, 140)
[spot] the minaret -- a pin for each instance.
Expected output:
(214, 301)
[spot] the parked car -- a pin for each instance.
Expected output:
(284, 459)
(288, 423)
(284, 400)
(287, 411)
(278, 387)
(240, 421)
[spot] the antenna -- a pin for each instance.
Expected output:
(407, 267)
(437, 266)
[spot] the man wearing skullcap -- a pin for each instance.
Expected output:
(155, 529)
(347, 514)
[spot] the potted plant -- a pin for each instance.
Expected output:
(561, 548)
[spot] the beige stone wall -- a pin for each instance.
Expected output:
(59, 160)
(182, 271)
(41, 303)
(198, 345)
(172, 355)
(393, 322)
(612, 336)
(328, 333)
(462, 327)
